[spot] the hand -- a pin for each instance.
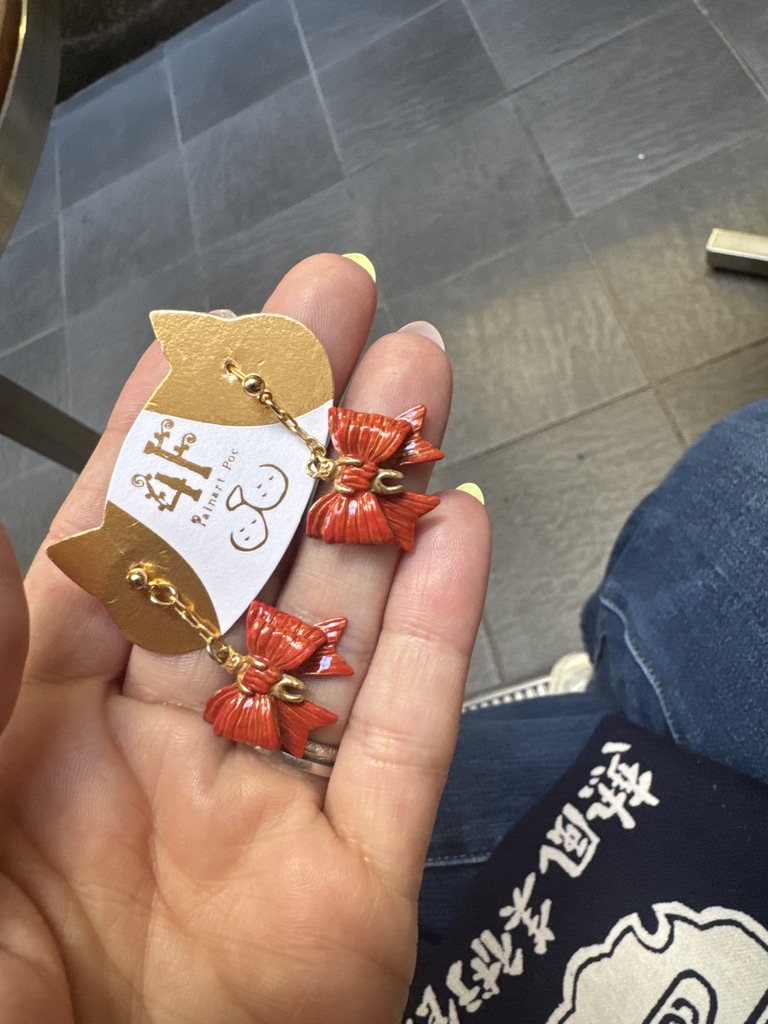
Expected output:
(150, 871)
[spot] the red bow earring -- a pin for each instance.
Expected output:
(266, 707)
(368, 504)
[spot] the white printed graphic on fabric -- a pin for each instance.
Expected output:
(521, 912)
(572, 843)
(228, 499)
(618, 786)
(708, 967)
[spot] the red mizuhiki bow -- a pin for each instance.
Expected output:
(266, 707)
(367, 504)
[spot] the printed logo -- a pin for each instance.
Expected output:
(177, 486)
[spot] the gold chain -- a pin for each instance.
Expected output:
(163, 593)
(319, 466)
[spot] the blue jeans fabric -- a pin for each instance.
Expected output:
(678, 635)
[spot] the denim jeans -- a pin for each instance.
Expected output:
(678, 635)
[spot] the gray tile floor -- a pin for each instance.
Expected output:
(537, 177)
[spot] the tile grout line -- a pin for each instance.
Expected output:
(671, 175)
(483, 261)
(184, 168)
(62, 271)
(452, 122)
(743, 64)
(670, 417)
(361, 223)
(615, 305)
(481, 36)
(560, 421)
(458, 119)
(655, 384)
(495, 655)
(670, 378)
(384, 303)
(621, 320)
(35, 338)
(384, 33)
(541, 157)
(648, 20)
(316, 82)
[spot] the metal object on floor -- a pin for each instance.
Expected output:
(38, 425)
(570, 674)
(30, 47)
(738, 250)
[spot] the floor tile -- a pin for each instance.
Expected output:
(532, 337)
(42, 367)
(115, 130)
(700, 397)
(383, 323)
(483, 674)
(463, 195)
(218, 13)
(527, 38)
(261, 161)
(640, 107)
(42, 202)
(334, 28)
(28, 503)
(105, 342)
(650, 248)
(242, 271)
(745, 25)
(127, 231)
(30, 286)
(443, 72)
(557, 501)
(234, 64)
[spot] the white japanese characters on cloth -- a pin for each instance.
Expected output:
(635, 891)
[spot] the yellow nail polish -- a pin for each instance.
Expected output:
(361, 261)
(474, 490)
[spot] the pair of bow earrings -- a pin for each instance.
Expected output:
(266, 705)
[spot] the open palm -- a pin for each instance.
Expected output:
(150, 871)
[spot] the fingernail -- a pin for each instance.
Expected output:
(426, 330)
(225, 314)
(361, 261)
(474, 490)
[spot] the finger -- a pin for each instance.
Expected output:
(394, 757)
(71, 633)
(336, 299)
(81, 637)
(329, 580)
(13, 628)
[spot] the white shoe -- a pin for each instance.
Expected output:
(569, 674)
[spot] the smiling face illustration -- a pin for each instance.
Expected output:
(692, 968)
(266, 490)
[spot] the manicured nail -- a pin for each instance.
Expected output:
(474, 490)
(426, 330)
(361, 261)
(225, 314)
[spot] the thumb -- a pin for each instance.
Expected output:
(14, 629)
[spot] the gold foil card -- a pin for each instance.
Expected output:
(208, 488)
